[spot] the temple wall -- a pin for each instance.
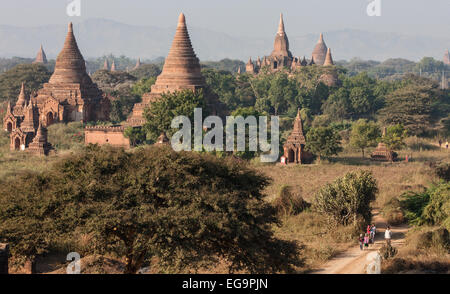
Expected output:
(106, 135)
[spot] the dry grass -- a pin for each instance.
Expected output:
(321, 240)
(420, 255)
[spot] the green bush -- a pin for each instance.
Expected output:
(429, 207)
(348, 198)
(66, 136)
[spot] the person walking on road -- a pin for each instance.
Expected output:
(361, 241)
(388, 235)
(366, 241)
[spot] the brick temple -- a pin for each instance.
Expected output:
(294, 148)
(181, 71)
(70, 95)
(282, 58)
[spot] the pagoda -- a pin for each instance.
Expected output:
(181, 71)
(70, 94)
(294, 148)
(41, 57)
(319, 53)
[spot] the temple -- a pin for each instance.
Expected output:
(138, 64)
(41, 57)
(320, 51)
(294, 148)
(69, 95)
(281, 57)
(181, 71)
(447, 58)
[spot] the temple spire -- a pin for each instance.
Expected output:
(113, 66)
(41, 57)
(22, 100)
(182, 67)
(70, 66)
(281, 25)
(328, 59)
(106, 65)
(281, 44)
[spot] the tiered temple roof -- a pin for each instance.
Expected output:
(181, 71)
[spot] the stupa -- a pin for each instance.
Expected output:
(181, 71)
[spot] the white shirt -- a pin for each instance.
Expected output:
(387, 234)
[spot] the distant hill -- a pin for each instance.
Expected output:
(98, 37)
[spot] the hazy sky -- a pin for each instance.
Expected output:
(244, 17)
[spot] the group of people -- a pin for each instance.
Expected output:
(369, 237)
(440, 144)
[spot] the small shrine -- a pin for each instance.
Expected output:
(294, 148)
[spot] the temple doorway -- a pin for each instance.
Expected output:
(291, 156)
(9, 127)
(17, 144)
(49, 118)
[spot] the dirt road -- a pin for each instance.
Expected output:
(353, 261)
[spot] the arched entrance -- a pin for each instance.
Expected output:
(291, 155)
(9, 127)
(17, 144)
(50, 118)
(275, 65)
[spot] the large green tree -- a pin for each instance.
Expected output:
(160, 114)
(364, 134)
(323, 141)
(33, 75)
(411, 106)
(182, 210)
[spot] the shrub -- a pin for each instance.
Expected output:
(288, 203)
(347, 198)
(442, 170)
(388, 251)
(393, 212)
(66, 136)
(429, 207)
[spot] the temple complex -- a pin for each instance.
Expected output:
(294, 148)
(281, 56)
(181, 71)
(69, 95)
(41, 57)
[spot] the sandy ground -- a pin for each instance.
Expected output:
(354, 261)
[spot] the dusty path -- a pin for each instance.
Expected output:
(353, 261)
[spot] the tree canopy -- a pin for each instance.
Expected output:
(186, 210)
